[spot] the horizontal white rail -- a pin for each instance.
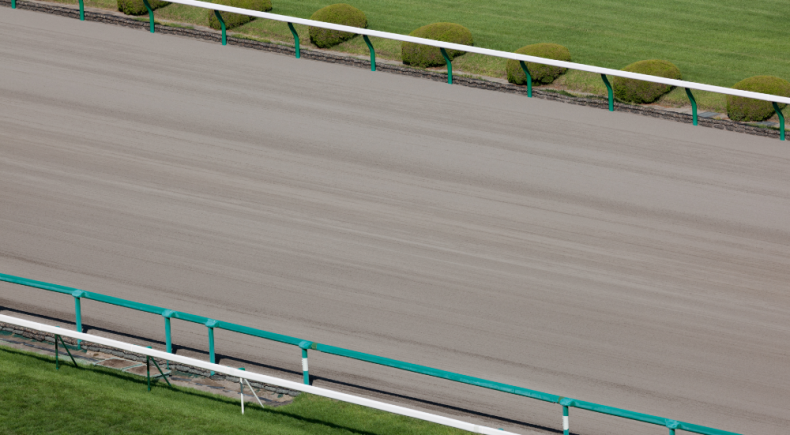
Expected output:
(445, 421)
(487, 52)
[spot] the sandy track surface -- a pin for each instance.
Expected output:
(603, 256)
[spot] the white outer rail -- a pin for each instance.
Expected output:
(488, 52)
(395, 409)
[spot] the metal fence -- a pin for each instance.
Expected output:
(443, 46)
(306, 345)
(243, 374)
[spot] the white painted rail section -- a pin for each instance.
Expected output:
(487, 52)
(395, 409)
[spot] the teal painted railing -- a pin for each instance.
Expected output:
(306, 345)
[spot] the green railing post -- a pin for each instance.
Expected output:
(150, 14)
(13, 6)
(168, 340)
(296, 39)
(671, 425)
(372, 53)
(609, 89)
(210, 324)
(449, 66)
(566, 428)
(529, 77)
(82, 11)
(78, 311)
(222, 23)
(781, 121)
(304, 345)
(693, 104)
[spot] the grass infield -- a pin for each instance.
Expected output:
(35, 398)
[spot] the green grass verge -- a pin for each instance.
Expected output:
(35, 399)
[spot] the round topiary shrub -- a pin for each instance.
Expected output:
(236, 20)
(540, 73)
(747, 109)
(137, 7)
(340, 13)
(425, 55)
(638, 91)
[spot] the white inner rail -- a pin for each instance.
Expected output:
(395, 409)
(487, 52)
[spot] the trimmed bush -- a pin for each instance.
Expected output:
(137, 7)
(236, 20)
(340, 13)
(747, 109)
(638, 91)
(540, 73)
(424, 55)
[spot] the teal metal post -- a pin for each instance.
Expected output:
(372, 53)
(210, 324)
(781, 121)
(57, 360)
(693, 105)
(82, 11)
(222, 23)
(671, 425)
(449, 66)
(305, 371)
(168, 339)
(529, 77)
(13, 6)
(78, 311)
(566, 428)
(304, 345)
(671, 431)
(296, 39)
(150, 14)
(609, 89)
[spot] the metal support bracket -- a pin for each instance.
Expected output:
(150, 14)
(781, 121)
(148, 361)
(693, 105)
(449, 66)
(222, 23)
(372, 53)
(57, 360)
(296, 39)
(529, 77)
(609, 89)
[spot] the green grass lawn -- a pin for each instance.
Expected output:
(36, 399)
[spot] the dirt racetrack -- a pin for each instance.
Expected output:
(607, 257)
